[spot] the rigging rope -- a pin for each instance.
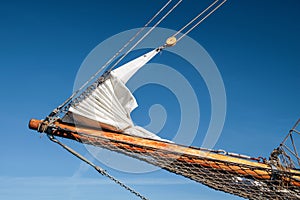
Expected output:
(284, 146)
(199, 15)
(205, 17)
(146, 34)
(253, 180)
(97, 168)
(133, 38)
(58, 109)
(211, 12)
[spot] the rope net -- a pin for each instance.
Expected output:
(251, 178)
(274, 179)
(248, 178)
(287, 149)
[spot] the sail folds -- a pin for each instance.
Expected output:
(126, 71)
(111, 102)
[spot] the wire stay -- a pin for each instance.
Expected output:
(97, 168)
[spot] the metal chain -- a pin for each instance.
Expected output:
(97, 168)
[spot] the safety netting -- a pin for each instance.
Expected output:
(111, 103)
(108, 103)
(245, 177)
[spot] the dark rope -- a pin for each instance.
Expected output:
(97, 168)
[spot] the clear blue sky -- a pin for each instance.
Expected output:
(254, 43)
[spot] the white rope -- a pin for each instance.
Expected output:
(205, 17)
(135, 36)
(58, 109)
(146, 34)
(199, 15)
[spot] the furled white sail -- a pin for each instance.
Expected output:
(112, 102)
(126, 71)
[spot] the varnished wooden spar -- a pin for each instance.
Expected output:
(115, 140)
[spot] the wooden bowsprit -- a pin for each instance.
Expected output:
(235, 174)
(102, 106)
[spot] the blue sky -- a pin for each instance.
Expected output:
(255, 45)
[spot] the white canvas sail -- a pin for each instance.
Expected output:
(126, 71)
(112, 102)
